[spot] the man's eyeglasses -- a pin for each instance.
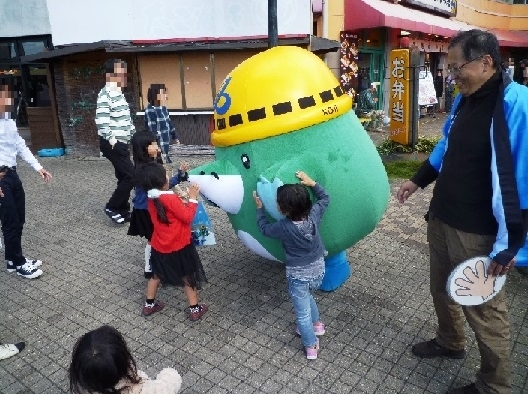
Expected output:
(457, 70)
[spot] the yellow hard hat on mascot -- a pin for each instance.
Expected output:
(254, 103)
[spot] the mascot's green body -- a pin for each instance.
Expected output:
(262, 154)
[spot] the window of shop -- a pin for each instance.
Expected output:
(30, 80)
(32, 47)
(7, 51)
(192, 79)
(371, 68)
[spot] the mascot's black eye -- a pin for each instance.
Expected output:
(245, 161)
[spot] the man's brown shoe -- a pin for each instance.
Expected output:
(469, 389)
(431, 349)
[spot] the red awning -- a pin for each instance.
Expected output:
(512, 38)
(365, 14)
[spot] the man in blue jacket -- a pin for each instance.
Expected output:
(479, 204)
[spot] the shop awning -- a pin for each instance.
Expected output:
(512, 38)
(365, 14)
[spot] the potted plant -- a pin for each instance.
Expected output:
(377, 119)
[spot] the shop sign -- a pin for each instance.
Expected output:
(428, 45)
(426, 89)
(399, 96)
(8, 72)
(446, 7)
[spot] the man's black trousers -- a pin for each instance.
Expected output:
(119, 156)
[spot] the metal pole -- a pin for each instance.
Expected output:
(415, 108)
(273, 33)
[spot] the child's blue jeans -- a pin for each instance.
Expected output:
(305, 307)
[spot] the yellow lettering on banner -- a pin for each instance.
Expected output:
(399, 100)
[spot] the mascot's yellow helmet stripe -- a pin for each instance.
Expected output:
(277, 91)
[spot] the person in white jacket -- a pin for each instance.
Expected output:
(13, 201)
(102, 363)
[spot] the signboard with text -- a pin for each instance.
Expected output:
(446, 7)
(399, 96)
(426, 89)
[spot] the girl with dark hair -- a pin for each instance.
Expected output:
(174, 259)
(145, 150)
(102, 363)
(157, 118)
(303, 249)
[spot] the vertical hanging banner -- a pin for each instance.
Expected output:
(349, 63)
(399, 96)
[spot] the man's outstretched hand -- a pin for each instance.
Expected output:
(497, 269)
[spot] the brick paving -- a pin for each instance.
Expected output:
(246, 343)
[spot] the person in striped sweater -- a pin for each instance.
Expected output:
(115, 128)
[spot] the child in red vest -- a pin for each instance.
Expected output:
(174, 258)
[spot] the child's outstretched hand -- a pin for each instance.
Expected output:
(194, 191)
(258, 202)
(305, 179)
(184, 167)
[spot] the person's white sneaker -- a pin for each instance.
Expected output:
(9, 350)
(12, 267)
(28, 271)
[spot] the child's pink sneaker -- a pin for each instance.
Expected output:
(319, 329)
(311, 352)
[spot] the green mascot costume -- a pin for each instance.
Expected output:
(278, 112)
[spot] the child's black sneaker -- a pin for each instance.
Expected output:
(115, 216)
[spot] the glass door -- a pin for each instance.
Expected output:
(371, 70)
(377, 73)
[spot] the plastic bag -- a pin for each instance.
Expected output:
(201, 228)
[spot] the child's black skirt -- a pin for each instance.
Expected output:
(140, 224)
(179, 268)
